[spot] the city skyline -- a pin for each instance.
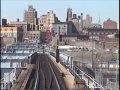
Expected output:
(103, 9)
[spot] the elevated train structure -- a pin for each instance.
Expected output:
(42, 72)
(46, 74)
(45, 77)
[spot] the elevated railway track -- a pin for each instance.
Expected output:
(44, 76)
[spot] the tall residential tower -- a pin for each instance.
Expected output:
(30, 15)
(69, 14)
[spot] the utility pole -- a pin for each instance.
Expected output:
(57, 50)
(92, 53)
(43, 49)
(117, 66)
(82, 52)
(8, 81)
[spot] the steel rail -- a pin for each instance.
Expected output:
(58, 86)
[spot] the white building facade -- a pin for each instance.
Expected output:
(59, 27)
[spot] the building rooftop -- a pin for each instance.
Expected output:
(101, 29)
(60, 23)
(16, 22)
(74, 35)
(86, 37)
(95, 25)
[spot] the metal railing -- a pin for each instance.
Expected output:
(91, 82)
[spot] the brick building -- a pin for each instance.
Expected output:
(16, 32)
(88, 21)
(45, 21)
(34, 35)
(72, 39)
(11, 34)
(59, 28)
(99, 31)
(110, 24)
(30, 16)
(25, 26)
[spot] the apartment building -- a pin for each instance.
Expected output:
(45, 21)
(25, 26)
(10, 31)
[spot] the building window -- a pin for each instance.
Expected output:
(107, 33)
(102, 32)
(12, 34)
(41, 24)
(97, 33)
(48, 21)
(90, 33)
